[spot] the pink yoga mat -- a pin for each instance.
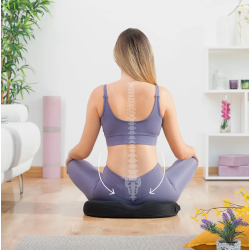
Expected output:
(51, 137)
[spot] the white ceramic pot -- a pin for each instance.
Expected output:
(219, 80)
(220, 245)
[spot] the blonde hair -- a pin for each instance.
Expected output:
(134, 55)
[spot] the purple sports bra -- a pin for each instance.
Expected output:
(119, 132)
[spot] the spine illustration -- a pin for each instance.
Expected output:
(132, 182)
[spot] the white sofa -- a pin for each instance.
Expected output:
(20, 142)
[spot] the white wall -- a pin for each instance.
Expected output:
(73, 54)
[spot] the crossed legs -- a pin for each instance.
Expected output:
(85, 176)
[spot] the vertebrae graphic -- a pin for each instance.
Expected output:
(132, 182)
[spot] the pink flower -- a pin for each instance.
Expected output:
(225, 110)
(225, 116)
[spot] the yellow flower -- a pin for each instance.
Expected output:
(218, 211)
(197, 210)
(226, 200)
(242, 5)
(238, 214)
(239, 190)
(204, 214)
(246, 208)
(193, 218)
(227, 203)
(246, 196)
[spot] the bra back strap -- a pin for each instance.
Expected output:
(157, 90)
(105, 92)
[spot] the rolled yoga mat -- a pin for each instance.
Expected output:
(51, 137)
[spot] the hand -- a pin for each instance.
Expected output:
(69, 158)
(196, 157)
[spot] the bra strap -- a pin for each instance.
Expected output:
(105, 92)
(156, 90)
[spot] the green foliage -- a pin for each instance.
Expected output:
(18, 19)
(228, 233)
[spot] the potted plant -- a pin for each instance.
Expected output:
(17, 21)
(229, 236)
(225, 124)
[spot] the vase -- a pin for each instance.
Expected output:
(242, 26)
(222, 30)
(221, 245)
(225, 126)
(219, 80)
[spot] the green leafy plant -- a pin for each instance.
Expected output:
(18, 18)
(229, 233)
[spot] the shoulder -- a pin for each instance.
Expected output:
(97, 92)
(166, 100)
(96, 99)
(164, 93)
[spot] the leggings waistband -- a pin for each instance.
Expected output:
(132, 188)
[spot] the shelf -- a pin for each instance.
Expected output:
(227, 48)
(233, 61)
(235, 178)
(227, 91)
(228, 134)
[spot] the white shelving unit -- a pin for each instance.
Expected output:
(234, 62)
(227, 91)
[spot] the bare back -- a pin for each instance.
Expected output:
(146, 156)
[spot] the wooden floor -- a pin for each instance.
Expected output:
(54, 207)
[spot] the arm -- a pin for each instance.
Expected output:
(171, 128)
(91, 129)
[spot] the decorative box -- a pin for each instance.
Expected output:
(234, 160)
(233, 171)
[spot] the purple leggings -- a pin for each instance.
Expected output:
(133, 191)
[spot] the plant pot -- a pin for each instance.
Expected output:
(221, 245)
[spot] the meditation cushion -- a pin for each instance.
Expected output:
(207, 241)
(116, 209)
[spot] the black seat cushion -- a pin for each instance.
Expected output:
(116, 209)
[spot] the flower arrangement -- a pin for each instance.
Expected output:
(225, 115)
(230, 221)
(228, 234)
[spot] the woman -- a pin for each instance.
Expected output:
(132, 111)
